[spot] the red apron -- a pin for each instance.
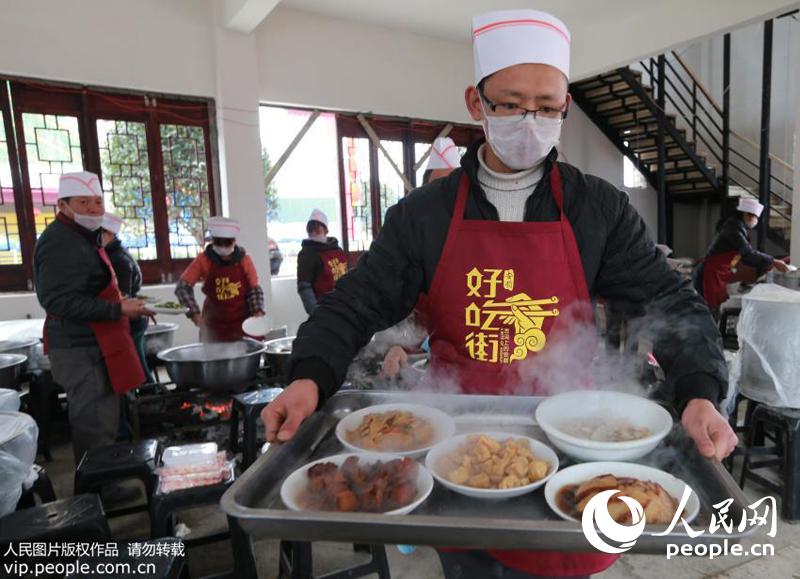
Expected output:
(501, 293)
(334, 266)
(225, 307)
(113, 336)
(717, 271)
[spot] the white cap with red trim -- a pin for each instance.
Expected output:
(112, 223)
(750, 205)
(319, 215)
(444, 155)
(223, 227)
(509, 37)
(79, 184)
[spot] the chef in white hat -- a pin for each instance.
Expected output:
(444, 158)
(87, 330)
(230, 284)
(510, 250)
(730, 246)
(320, 263)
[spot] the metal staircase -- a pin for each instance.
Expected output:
(661, 117)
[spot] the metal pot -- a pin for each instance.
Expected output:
(25, 347)
(277, 355)
(789, 280)
(11, 368)
(214, 367)
(159, 337)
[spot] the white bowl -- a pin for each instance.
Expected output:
(539, 449)
(580, 473)
(298, 480)
(590, 405)
(256, 326)
(443, 426)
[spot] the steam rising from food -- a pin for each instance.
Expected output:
(606, 429)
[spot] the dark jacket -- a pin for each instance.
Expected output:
(309, 263)
(619, 262)
(129, 278)
(733, 235)
(69, 275)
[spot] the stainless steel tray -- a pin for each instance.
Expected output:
(449, 519)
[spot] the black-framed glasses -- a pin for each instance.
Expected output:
(515, 109)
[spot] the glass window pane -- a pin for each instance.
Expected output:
(186, 185)
(309, 179)
(126, 183)
(10, 247)
(392, 187)
(358, 205)
(53, 147)
(419, 150)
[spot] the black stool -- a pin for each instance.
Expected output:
(164, 507)
(249, 405)
(118, 462)
(744, 428)
(784, 424)
(76, 519)
(41, 487)
(296, 562)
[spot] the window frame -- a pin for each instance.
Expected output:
(89, 105)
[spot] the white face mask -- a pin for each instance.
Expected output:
(521, 142)
(223, 251)
(90, 222)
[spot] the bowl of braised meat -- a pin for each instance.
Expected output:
(359, 483)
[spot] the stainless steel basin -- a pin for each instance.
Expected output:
(214, 367)
(11, 368)
(26, 347)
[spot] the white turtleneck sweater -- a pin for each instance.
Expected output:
(508, 192)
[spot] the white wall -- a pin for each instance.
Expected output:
(586, 147)
(311, 60)
(152, 45)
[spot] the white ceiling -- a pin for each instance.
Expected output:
(605, 33)
(452, 19)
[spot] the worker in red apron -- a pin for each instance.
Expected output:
(730, 247)
(320, 263)
(509, 250)
(230, 285)
(87, 332)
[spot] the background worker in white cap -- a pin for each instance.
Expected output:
(444, 158)
(320, 263)
(510, 249)
(230, 284)
(730, 246)
(87, 332)
(129, 280)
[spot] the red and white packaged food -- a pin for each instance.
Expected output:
(173, 478)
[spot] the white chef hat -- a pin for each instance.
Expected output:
(750, 205)
(507, 37)
(223, 227)
(112, 223)
(79, 184)
(319, 215)
(444, 155)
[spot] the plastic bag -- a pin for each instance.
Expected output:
(18, 438)
(176, 478)
(9, 400)
(766, 367)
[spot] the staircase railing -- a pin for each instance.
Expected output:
(699, 114)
